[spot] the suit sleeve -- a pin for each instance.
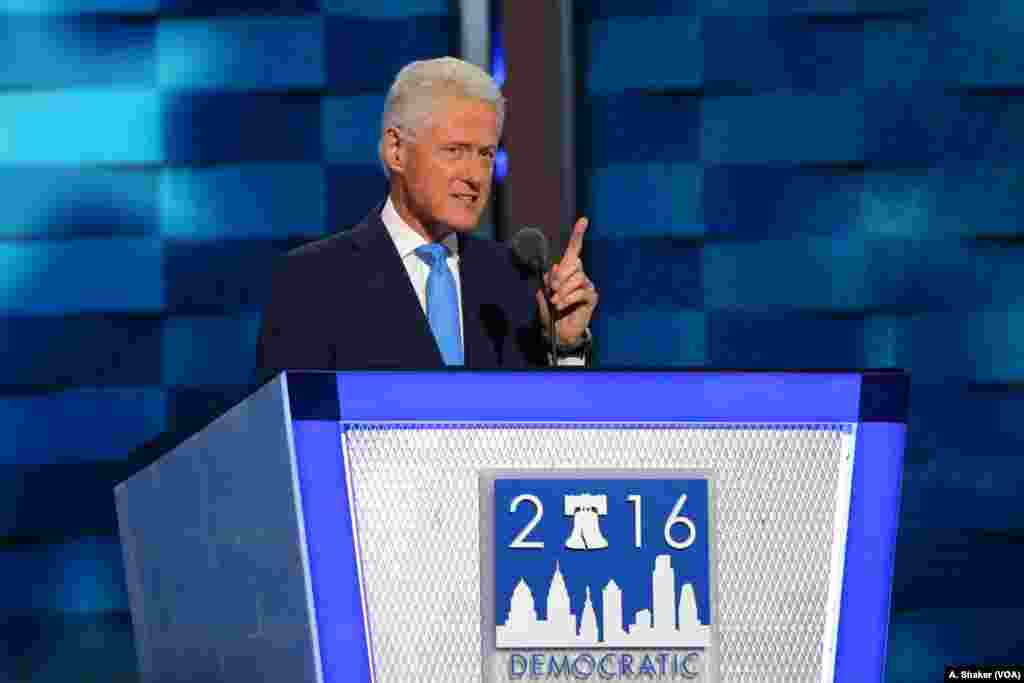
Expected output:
(288, 337)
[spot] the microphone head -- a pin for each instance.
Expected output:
(530, 247)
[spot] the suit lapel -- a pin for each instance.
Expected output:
(476, 313)
(399, 313)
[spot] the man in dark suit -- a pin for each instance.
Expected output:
(409, 287)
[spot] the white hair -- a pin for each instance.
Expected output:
(419, 86)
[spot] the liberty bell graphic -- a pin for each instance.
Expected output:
(586, 529)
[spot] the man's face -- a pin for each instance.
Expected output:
(445, 174)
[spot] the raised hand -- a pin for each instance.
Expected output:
(573, 295)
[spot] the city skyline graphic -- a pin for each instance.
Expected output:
(668, 623)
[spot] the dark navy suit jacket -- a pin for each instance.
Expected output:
(346, 302)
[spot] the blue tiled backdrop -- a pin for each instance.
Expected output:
(155, 157)
(833, 183)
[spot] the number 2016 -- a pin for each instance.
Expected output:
(521, 542)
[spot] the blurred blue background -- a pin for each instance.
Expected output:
(772, 183)
(823, 184)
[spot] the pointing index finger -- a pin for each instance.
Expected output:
(575, 246)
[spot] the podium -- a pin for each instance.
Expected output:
(356, 526)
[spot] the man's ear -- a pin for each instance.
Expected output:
(394, 148)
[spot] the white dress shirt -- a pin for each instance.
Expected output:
(407, 241)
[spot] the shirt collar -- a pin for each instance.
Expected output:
(405, 238)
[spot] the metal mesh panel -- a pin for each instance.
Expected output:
(417, 496)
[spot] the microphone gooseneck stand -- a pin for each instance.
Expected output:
(552, 323)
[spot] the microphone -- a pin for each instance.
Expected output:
(530, 247)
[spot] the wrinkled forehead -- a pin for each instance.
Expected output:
(456, 118)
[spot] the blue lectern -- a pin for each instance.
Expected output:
(344, 527)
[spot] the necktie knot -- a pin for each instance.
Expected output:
(434, 253)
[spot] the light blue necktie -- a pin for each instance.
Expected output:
(442, 303)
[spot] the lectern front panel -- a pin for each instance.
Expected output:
(425, 500)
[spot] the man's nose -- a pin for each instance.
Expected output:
(474, 171)
(471, 177)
